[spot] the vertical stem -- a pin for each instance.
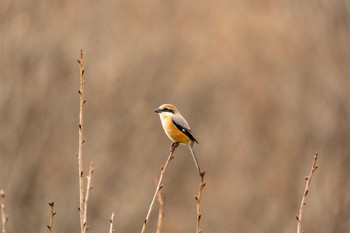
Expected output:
(81, 142)
(161, 210)
(88, 188)
(52, 214)
(198, 201)
(306, 191)
(159, 186)
(111, 230)
(4, 217)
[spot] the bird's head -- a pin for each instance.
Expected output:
(166, 109)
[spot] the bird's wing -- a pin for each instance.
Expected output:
(183, 126)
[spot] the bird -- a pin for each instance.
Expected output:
(177, 129)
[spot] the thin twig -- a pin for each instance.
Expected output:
(159, 185)
(111, 230)
(81, 142)
(160, 198)
(52, 214)
(4, 218)
(308, 178)
(198, 201)
(87, 192)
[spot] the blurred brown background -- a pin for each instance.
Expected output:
(263, 84)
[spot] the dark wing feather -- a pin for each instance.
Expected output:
(183, 126)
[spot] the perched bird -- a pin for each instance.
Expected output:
(177, 128)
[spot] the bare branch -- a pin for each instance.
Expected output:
(198, 199)
(4, 218)
(83, 197)
(52, 214)
(87, 192)
(111, 230)
(160, 198)
(81, 139)
(159, 185)
(299, 217)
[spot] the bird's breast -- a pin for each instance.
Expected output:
(173, 132)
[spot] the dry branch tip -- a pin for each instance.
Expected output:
(52, 214)
(111, 223)
(308, 178)
(163, 168)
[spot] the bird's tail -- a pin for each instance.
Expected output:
(194, 157)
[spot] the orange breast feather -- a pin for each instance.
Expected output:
(174, 133)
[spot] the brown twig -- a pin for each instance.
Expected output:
(81, 142)
(4, 218)
(159, 185)
(52, 214)
(111, 230)
(82, 199)
(308, 178)
(88, 188)
(160, 198)
(198, 200)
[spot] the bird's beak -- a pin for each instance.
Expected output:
(158, 110)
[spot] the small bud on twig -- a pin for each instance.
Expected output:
(308, 178)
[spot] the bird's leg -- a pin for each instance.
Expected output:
(173, 146)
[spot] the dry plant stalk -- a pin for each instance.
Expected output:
(198, 201)
(308, 178)
(111, 230)
(82, 199)
(86, 198)
(52, 214)
(160, 198)
(81, 142)
(159, 185)
(4, 218)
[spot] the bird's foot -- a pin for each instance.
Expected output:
(174, 145)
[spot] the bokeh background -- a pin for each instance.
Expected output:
(263, 84)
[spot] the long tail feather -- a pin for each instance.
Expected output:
(194, 157)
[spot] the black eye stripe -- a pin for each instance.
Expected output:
(167, 110)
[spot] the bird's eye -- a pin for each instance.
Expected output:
(168, 110)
